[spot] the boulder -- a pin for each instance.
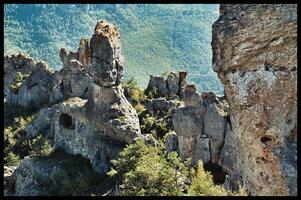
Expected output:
(173, 83)
(171, 141)
(157, 84)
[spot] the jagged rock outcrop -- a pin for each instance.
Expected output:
(88, 114)
(72, 81)
(171, 141)
(35, 90)
(160, 105)
(172, 86)
(107, 63)
(15, 65)
(200, 125)
(54, 175)
(99, 127)
(255, 56)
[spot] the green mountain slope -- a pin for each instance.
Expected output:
(155, 38)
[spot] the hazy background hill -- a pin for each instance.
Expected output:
(155, 38)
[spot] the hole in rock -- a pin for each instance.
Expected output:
(66, 121)
(218, 174)
(266, 138)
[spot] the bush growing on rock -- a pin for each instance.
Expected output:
(202, 185)
(12, 160)
(136, 93)
(145, 170)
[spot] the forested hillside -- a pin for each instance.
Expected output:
(154, 38)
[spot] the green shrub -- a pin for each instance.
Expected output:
(139, 108)
(136, 93)
(12, 160)
(202, 185)
(144, 170)
(18, 81)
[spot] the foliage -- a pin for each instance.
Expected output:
(16, 145)
(155, 37)
(12, 160)
(18, 82)
(135, 92)
(144, 170)
(139, 108)
(202, 185)
(147, 170)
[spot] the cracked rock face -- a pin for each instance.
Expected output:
(100, 126)
(107, 63)
(35, 90)
(255, 56)
(200, 126)
(171, 87)
(16, 63)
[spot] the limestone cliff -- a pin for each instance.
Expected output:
(255, 56)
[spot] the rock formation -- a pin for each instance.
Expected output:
(200, 125)
(170, 87)
(88, 114)
(255, 56)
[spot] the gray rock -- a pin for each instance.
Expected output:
(12, 65)
(202, 149)
(158, 84)
(191, 97)
(171, 141)
(233, 181)
(106, 66)
(183, 83)
(108, 109)
(229, 153)
(188, 125)
(35, 90)
(148, 139)
(214, 127)
(42, 123)
(173, 83)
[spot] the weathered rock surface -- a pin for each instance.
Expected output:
(38, 176)
(108, 109)
(75, 134)
(157, 84)
(171, 141)
(107, 63)
(170, 86)
(99, 127)
(72, 81)
(16, 63)
(200, 125)
(88, 114)
(42, 123)
(35, 90)
(255, 56)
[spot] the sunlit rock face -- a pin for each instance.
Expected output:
(255, 56)
(107, 63)
(99, 126)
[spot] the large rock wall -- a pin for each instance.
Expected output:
(255, 56)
